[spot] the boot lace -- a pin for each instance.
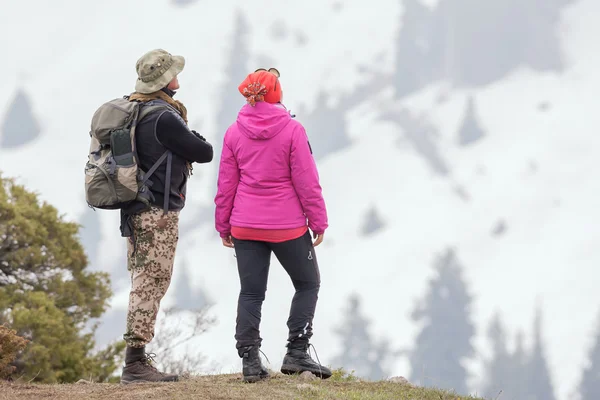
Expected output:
(316, 355)
(266, 358)
(149, 360)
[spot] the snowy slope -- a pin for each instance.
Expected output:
(535, 170)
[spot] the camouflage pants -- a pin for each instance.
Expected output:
(150, 257)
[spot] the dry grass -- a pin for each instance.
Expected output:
(219, 387)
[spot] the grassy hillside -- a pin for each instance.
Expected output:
(230, 387)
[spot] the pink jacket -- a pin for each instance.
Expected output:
(268, 178)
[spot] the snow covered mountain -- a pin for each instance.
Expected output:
(503, 167)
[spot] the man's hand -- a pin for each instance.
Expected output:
(227, 241)
(318, 239)
(199, 136)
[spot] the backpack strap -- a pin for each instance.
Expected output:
(168, 155)
(149, 108)
(154, 167)
(168, 182)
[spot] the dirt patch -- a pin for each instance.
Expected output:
(226, 387)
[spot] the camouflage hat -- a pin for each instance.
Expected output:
(156, 69)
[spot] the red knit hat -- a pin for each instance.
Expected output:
(261, 86)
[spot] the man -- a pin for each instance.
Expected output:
(153, 231)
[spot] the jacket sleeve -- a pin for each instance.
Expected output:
(305, 179)
(174, 134)
(229, 178)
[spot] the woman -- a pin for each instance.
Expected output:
(268, 188)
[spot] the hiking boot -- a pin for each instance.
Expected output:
(142, 370)
(252, 366)
(297, 360)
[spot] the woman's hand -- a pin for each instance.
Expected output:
(318, 239)
(227, 241)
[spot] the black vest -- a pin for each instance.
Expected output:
(149, 150)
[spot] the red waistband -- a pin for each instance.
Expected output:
(268, 235)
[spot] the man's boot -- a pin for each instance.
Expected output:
(138, 368)
(252, 366)
(297, 360)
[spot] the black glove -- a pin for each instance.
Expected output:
(199, 136)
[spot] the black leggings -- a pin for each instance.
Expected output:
(300, 262)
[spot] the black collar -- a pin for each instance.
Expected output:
(169, 91)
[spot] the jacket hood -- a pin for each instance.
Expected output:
(263, 121)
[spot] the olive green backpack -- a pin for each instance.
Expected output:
(113, 178)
